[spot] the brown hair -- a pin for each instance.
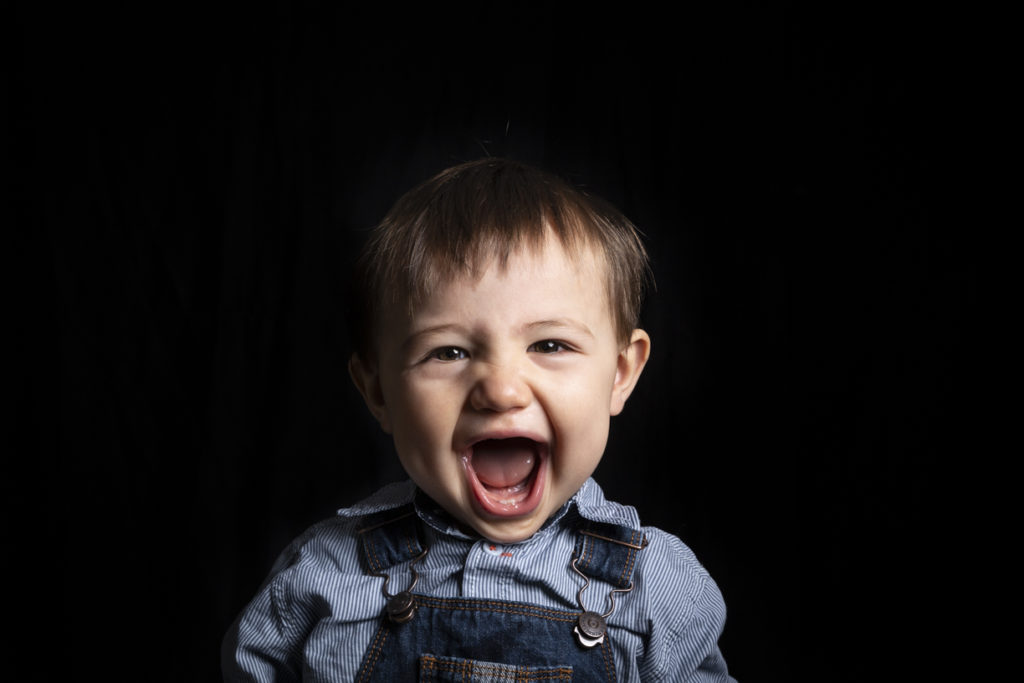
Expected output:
(458, 221)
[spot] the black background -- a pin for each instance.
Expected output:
(190, 186)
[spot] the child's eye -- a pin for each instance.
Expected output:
(549, 346)
(448, 354)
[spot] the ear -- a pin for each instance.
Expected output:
(366, 377)
(631, 363)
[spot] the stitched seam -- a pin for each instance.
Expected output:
(462, 666)
(630, 561)
(489, 668)
(511, 611)
(443, 602)
(408, 546)
(501, 603)
(281, 605)
(494, 671)
(371, 553)
(609, 660)
(376, 648)
(616, 541)
(628, 566)
(384, 523)
(625, 568)
(495, 606)
(589, 546)
(433, 665)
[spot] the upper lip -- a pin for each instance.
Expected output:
(512, 433)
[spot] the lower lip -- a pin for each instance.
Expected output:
(493, 506)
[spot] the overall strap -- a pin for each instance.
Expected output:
(390, 537)
(608, 551)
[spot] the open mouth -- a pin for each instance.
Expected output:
(506, 475)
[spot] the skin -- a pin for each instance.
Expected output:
(527, 351)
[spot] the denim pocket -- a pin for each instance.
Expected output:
(452, 669)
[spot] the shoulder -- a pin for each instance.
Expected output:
(334, 542)
(676, 596)
(667, 560)
(331, 544)
(683, 605)
(323, 566)
(666, 565)
(319, 573)
(329, 551)
(667, 570)
(676, 607)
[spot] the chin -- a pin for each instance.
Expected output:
(507, 536)
(509, 530)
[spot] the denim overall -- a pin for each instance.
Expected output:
(428, 638)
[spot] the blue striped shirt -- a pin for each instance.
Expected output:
(317, 612)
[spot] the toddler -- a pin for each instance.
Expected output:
(496, 335)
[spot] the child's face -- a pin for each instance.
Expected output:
(499, 392)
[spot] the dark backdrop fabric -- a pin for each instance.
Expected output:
(192, 182)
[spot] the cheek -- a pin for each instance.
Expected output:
(589, 393)
(424, 412)
(581, 414)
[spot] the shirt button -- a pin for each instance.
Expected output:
(492, 548)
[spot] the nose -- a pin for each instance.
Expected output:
(499, 388)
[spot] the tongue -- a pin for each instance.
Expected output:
(501, 463)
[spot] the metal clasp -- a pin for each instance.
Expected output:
(402, 606)
(591, 627)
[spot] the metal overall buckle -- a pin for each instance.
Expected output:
(591, 627)
(401, 607)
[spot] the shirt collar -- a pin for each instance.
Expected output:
(589, 502)
(593, 506)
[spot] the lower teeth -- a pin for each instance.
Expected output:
(510, 490)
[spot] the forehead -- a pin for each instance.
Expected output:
(532, 283)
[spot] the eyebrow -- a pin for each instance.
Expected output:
(554, 323)
(561, 323)
(427, 331)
